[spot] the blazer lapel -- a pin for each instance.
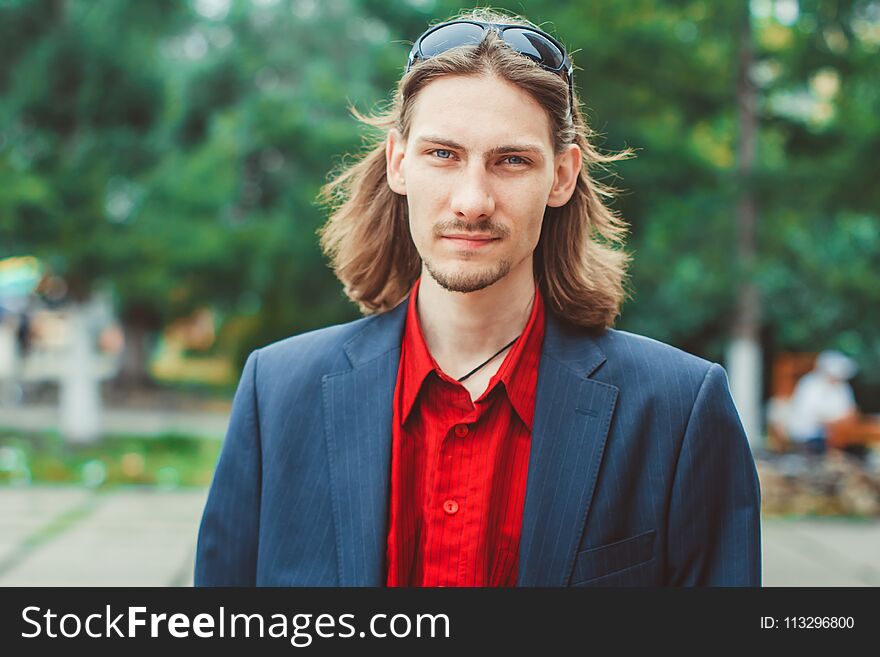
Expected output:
(572, 417)
(357, 422)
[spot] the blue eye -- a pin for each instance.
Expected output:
(522, 160)
(437, 151)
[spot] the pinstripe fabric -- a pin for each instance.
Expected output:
(639, 472)
(232, 512)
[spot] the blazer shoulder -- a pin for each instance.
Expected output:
(658, 376)
(317, 350)
(638, 355)
(333, 348)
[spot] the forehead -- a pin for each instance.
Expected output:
(480, 112)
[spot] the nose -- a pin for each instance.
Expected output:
(472, 198)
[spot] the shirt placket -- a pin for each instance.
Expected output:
(452, 509)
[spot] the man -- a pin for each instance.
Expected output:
(484, 426)
(820, 398)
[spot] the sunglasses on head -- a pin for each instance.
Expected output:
(538, 46)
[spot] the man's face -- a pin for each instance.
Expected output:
(478, 171)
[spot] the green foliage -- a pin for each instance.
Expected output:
(177, 155)
(167, 461)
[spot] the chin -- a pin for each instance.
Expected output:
(457, 278)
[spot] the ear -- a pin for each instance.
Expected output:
(568, 167)
(395, 148)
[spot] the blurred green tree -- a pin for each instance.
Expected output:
(176, 149)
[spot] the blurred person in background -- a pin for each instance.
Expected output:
(484, 425)
(821, 397)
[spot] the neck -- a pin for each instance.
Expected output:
(463, 329)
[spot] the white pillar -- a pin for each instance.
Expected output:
(744, 372)
(8, 357)
(80, 387)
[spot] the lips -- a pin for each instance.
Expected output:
(469, 236)
(470, 241)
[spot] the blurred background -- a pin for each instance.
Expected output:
(159, 164)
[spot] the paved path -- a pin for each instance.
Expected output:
(821, 552)
(66, 536)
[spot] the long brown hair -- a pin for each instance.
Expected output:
(579, 263)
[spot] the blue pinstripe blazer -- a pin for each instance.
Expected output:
(640, 473)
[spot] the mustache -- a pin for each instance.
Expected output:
(482, 227)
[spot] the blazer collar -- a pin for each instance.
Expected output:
(572, 347)
(357, 407)
(572, 418)
(381, 334)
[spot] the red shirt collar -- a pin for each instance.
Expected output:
(518, 371)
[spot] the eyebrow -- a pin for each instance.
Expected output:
(498, 150)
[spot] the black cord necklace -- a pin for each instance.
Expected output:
(491, 358)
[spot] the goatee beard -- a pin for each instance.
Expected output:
(470, 281)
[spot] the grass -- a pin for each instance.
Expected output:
(166, 461)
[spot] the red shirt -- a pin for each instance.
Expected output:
(459, 468)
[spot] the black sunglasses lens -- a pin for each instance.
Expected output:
(450, 36)
(534, 46)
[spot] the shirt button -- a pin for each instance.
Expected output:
(451, 507)
(461, 430)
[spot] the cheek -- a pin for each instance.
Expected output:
(425, 204)
(420, 224)
(533, 208)
(535, 233)
(531, 235)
